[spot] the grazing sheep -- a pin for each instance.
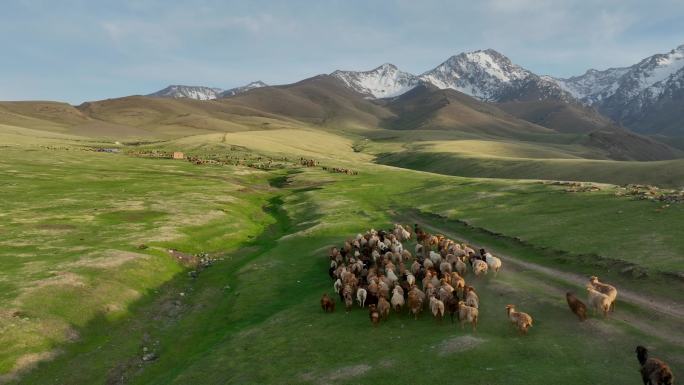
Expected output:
(406, 255)
(523, 321)
(373, 314)
(471, 298)
(445, 268)
(493, 263)
(361, 295)
(451, 306)
(337, 286)
(437, 308)
(479, 267)
(415, 302)
(578, 307)
(653, 371)
(467, 314)
(397, 299)
(598, 301)
(383, 307)
(415, 267)
(606, 289)
(436, 258)
(461, 267)
(327, 303)
(427, 264)
(411, 279)
(348, 300)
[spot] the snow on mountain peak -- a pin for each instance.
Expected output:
(177, 91)
(239, 90)
(384, 81)
(482, 74)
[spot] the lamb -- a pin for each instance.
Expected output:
(383, 308)
(397, 299)
(653, 371)
(479, 267)
(437, 308)
(606, 289)
(493, 263)
(578, 307)
(467, 314)
(522, 320)
(327, 303)
(361, 295)
(598, 301)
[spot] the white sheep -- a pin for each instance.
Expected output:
(436, 258)
(493, 263)
(437, 308)
(397, 299)
(361, 295)
(411, 279)
(598, 301)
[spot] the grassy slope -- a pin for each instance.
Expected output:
(665, 173)
(242, 323)
(68, 249)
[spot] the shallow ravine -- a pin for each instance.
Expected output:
(110, 351)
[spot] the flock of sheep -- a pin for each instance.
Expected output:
(376, 270)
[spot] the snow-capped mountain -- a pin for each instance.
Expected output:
(486, 75)
(384, 81)
(482, 74)
(192, 92)
(239, 90)
(631, 93)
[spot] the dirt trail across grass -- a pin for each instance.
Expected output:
(672, 309)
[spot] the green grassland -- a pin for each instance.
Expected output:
(94, 246)
(82, 302)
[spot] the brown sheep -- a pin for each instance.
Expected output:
(373, 314)
(383, 307)
(523, 321)
(327, 303)
(451, 306)
(578, 307)
(415, 302)
(348, 298)
(653, 371)
(467, 314)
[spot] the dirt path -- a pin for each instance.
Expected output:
(671, 309)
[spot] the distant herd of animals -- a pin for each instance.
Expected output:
(376, 270)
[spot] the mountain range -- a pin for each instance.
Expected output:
(647, 97)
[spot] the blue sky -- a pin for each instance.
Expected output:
(79, 50)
